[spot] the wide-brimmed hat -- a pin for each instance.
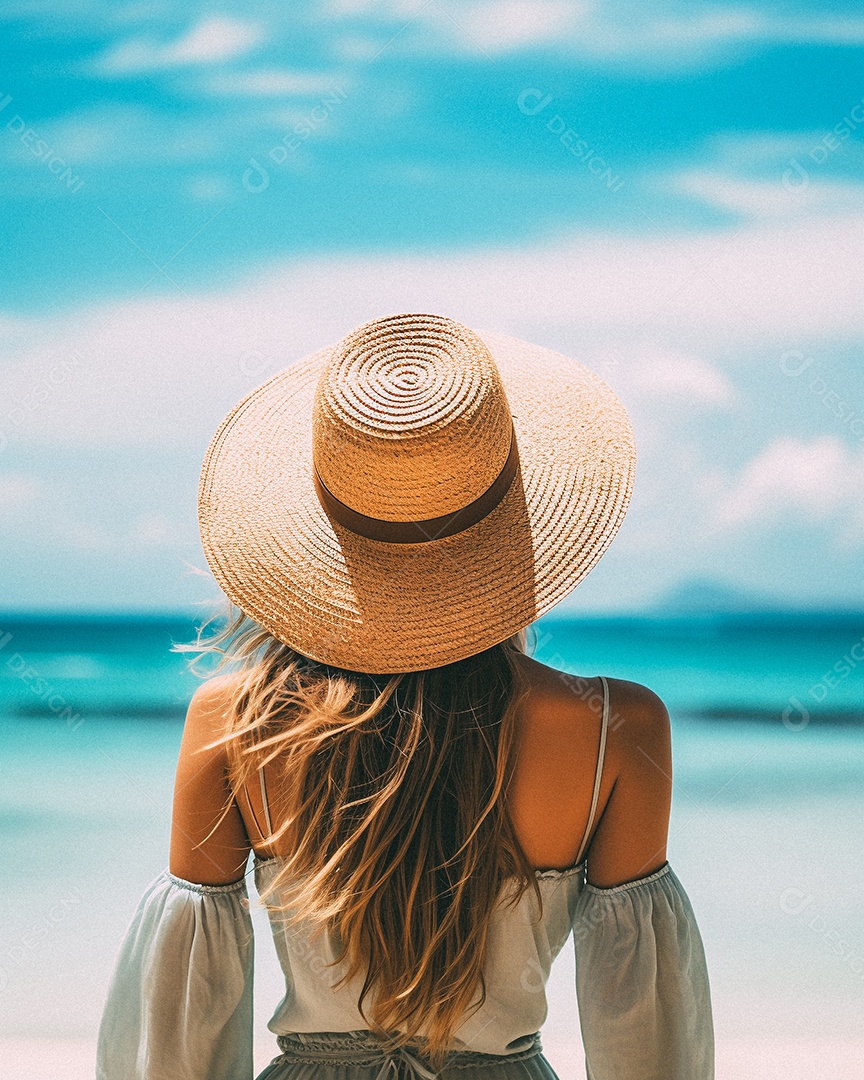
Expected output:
(414, 494)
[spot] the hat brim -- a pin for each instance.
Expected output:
(366, 605)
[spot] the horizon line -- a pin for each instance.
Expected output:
(659, 611)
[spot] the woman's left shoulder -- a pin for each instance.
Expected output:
(209, 708)
(213, 697)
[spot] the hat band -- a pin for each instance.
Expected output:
(421, 532)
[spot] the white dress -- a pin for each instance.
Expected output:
(179, 1006)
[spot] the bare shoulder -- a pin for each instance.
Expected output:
(632, 822)
(209, 706)
(638, 718)
(636, 709)
(215, 694)
(549, 686)
(640, 739)
(628, 701)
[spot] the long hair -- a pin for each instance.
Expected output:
(393, 793)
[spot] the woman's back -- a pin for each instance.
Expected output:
(589, 752)
(558, 735)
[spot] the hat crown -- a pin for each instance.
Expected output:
(410, 419)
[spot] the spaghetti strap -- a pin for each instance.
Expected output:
(598, 776)
(261, 832)
(264, 801)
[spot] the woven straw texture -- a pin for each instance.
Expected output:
(409, 418)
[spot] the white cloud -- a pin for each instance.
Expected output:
(624, 33)
(668, 36)
(152, 530)
(769, 198)
(164, 370)
(69, 530)
(658, 372)
(213, 39)
(500, 26)
(18, 490)
(275, 82)
(492, 26)
(209, 188)
(369, 9)
(820, 30)
(127, 134)
(652, 32)
(742, 152)
(725, 25)
(809, 479)
(652, 38)
(84, 536)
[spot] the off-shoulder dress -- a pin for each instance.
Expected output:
(179, 1005)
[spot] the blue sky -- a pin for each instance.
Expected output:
(196, 195)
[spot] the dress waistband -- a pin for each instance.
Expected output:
(365, 1048)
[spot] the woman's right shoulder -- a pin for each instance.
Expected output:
(637, 707)
(630, 703)
(638, 718)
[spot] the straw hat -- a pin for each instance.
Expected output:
(414, 494)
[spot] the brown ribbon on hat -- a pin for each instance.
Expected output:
(421, 532)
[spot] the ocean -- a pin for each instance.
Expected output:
(767, 829)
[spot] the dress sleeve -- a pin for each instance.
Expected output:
(642, 982)
(179, 1004)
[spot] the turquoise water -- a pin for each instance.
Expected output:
(766, 833)
(724, 666)
(720, 667)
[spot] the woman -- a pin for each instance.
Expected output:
(432, 812)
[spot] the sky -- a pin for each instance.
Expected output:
(195, 196)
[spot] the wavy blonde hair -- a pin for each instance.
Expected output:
(393, 795)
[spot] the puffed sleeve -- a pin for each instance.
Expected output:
(642, 982)
(179, 1004)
